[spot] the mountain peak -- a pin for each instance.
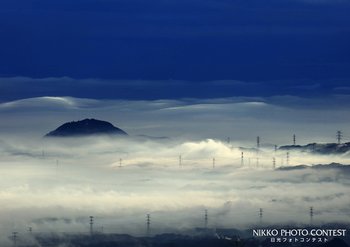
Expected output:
(86, 127)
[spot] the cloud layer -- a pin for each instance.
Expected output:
(274, 119)
(16, 88)
(55, 184)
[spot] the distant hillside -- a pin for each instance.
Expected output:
(86, 127)
(326, 148)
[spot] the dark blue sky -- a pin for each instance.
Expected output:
(280, 45)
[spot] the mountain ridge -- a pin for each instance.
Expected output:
(319, 148)
(86, 127)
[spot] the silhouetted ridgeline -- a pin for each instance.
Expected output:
(86, 127)
(326, 148)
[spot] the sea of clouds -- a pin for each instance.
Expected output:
(54, 185)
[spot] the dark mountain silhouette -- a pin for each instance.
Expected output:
(320, 148)
(343, 167)
(86, 127)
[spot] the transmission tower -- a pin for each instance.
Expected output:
(242, 159)
(274, 163)
(311, 215)
(120, 162)
(294, 140)
(287, 159)
(339, 136)
(180, 161)
(261, 212)
(148, 225)
(30, 230)
(14, 238)
(91, 225)
(258, 143)
(206, 219)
